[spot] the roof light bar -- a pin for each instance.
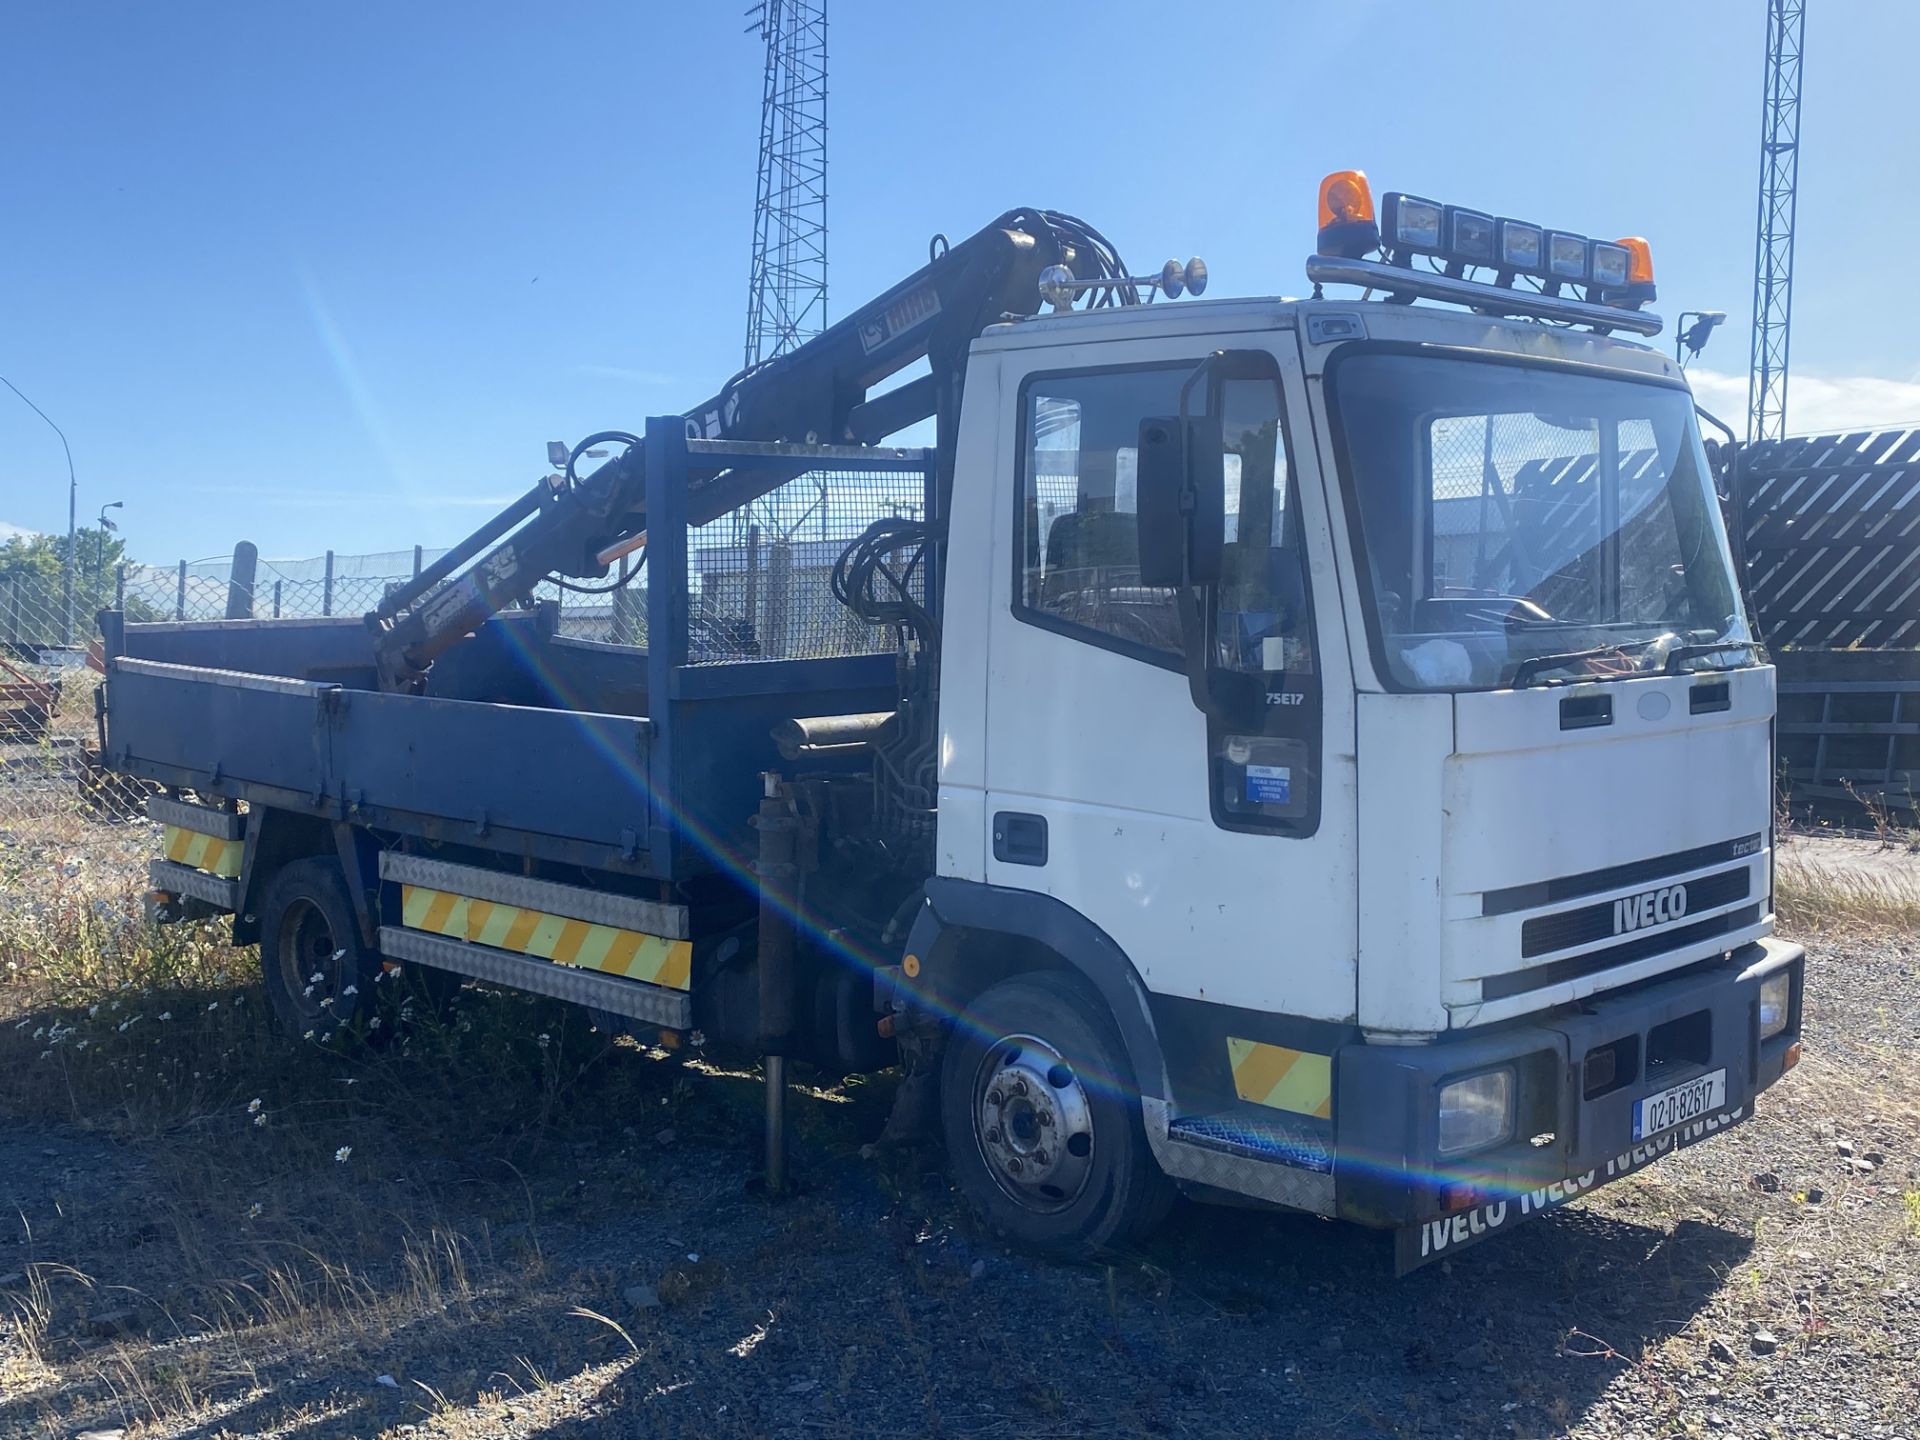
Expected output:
(1488, 299)
(1613, 274)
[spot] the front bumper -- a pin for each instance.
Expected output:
(1577, 1079)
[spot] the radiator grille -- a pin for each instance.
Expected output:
(1557, 972)
(1546, 933)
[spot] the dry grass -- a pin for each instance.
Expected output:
(1813, 894)
(281, 1198)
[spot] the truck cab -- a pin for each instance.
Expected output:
(1436, 887)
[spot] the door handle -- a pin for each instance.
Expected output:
(1019, 838)
(1584, 712)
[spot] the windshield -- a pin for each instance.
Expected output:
(1528, 524)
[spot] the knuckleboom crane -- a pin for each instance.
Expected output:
(819, 393)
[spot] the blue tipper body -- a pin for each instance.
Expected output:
(528, 741)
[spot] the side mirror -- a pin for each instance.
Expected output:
(1206, 527)
(1159, 480)
(1181, 495)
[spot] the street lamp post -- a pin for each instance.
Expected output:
(73, 502)
(1692, 339)
(100, 546)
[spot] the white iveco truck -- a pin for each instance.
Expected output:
(1416, 838)
(1326, 759)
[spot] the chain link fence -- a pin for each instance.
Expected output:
(329, 584)
(55, 797)
(53, 793)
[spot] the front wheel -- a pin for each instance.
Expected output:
(1042, 1119)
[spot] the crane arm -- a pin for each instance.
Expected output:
(818, 393)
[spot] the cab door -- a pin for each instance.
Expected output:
(1217, 856)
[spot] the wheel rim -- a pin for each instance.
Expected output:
(309, 969)
(1033, 1122)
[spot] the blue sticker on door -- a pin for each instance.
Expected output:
(1269, 784)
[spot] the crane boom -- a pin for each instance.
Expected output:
(820, 392)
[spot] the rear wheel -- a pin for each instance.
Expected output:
(318, 975)
(1042, 1119)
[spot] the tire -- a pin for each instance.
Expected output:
(1098, 1188)
(308, 929)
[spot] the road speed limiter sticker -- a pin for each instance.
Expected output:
(1678, 1104)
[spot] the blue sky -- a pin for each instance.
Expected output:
(331, 275)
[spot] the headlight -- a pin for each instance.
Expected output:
(1476, 1112)
(1776, 1002)
(1469, 236)
(1566, 256)
(1413, 223)
(1610, 265)
(1520, 245)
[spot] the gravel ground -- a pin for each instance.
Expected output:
(626, 1281)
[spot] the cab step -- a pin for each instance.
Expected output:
(1285, 1162)
(1255, 1139)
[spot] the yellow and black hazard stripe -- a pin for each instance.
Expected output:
(201, 851)
(1281, 1078)
(559, 938)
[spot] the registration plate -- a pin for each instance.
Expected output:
(1662, 1111)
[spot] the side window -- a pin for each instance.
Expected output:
(1077, 568)
(1079, 524)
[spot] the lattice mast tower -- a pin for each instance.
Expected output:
(1773, 233)
(787, 287)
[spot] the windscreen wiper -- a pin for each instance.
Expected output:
(1534, 664)
(1526, 669)
(1681, 653)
